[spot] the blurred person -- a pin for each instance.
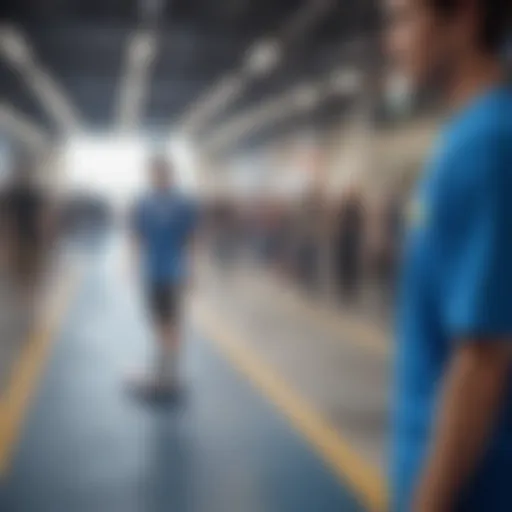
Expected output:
(224, 227)
(25, 227)
(287, 234)
(163, 228)
(375, 243)
(394, 224)
(452, 428)
(349, 250)
(269, 236)
(310, 218)
(281, 234)
(387, 235)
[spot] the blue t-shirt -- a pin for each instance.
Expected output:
(456, 286)
(164, 222)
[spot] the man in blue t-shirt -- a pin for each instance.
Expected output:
(163, 227)
(452, 419)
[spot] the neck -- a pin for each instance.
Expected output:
(473, 76)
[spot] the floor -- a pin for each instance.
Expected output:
(14, 327)
(338, 362)
(283, 411)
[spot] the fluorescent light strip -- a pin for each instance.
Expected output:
(300, 98)
(17, 52)
(52, 99)
(22, 128)
(260, 60)
(219, 97)
(263, 58)
(142, 49)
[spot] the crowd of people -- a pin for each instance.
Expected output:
(32, 222)
(27, 230)
(322, 245)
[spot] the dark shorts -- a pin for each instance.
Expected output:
(164, 302)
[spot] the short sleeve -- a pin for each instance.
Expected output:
(478, 282)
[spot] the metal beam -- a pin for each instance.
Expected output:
(142, 49)
(261, 59)
(305, 97)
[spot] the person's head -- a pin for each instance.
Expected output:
(161, 173)
(428, 39)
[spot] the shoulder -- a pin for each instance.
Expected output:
(480, 148)
(487, 127)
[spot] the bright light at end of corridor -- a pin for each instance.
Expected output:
(115, 166)
(110, 166)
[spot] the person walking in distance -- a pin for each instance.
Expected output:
(164, 223)
(27, 228)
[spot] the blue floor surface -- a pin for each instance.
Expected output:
(88, 447)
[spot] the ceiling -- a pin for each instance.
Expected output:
(82, 44)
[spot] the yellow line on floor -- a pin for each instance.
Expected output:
(360, 333)
(366, 481)
(26, 372)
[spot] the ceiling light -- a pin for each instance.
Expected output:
(143, 47)
(306, 97)
(398, 93)
(230, 87)
(14, 46)
(345, 81)
(262, 58)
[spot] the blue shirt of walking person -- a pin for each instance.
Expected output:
(164, 222)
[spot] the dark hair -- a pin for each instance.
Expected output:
(495, 19)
